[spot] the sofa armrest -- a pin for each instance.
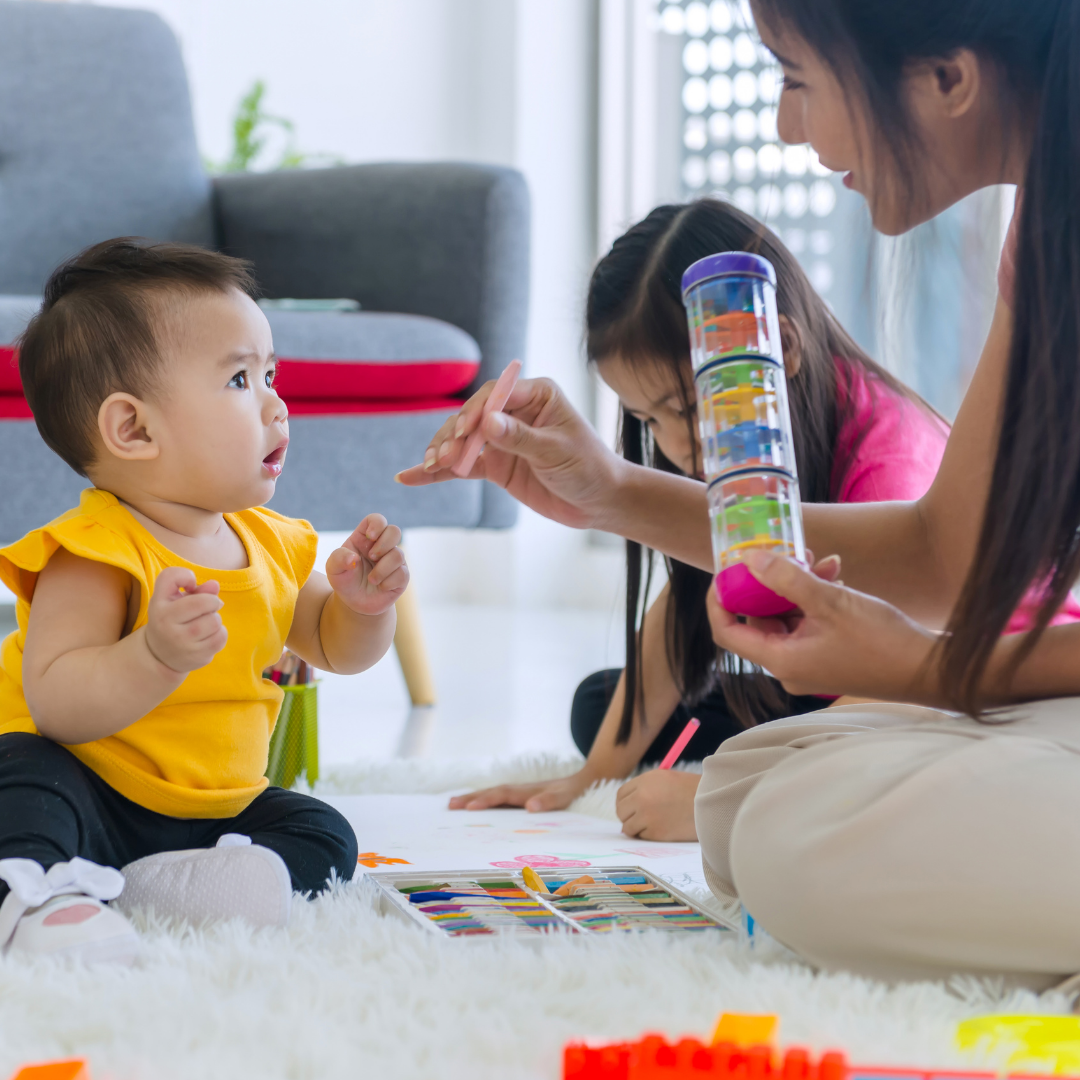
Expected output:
(446, 240)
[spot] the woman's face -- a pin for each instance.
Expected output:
(651, 392)
(951, 106)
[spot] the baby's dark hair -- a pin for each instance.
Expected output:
(99, 331)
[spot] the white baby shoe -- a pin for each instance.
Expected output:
(235, 879)
(79, 927)
(60, 912)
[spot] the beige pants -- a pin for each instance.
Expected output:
(903, 842)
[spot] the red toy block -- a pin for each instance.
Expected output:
(582, 1062)
(72, 1069)
(654, 1058)
(833, 1066)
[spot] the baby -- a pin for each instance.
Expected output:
(134, 719)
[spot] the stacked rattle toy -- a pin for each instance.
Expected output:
(749, 455)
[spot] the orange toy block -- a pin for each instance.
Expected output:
(72, 1069)
(746, 1029)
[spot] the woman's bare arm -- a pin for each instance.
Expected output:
(915, 555)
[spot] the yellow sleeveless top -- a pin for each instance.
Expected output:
(202, 752)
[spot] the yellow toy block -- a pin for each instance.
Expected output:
(746, 1029)
(1039, 1043)
(72, 1069)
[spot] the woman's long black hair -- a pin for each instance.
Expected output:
(635, 312)
(1030, 524)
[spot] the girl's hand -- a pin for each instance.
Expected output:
(659, 805)
(838, 641)
(537, 798)
(540, 449)
(368, 571)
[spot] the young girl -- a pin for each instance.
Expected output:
(924, 839)
(860, 436)
(134, 718)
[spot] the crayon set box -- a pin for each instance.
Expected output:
(483, 903)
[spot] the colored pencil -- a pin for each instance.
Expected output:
(496, 401)
(680, 743)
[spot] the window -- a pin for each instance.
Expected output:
(730, 149)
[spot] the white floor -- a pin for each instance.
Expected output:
(505, 679)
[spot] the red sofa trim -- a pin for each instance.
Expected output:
(323, 380)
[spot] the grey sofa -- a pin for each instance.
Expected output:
(97, 140)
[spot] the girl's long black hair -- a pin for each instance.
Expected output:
(1031, 524)
(635, 312)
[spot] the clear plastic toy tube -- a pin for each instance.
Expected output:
(745, 423)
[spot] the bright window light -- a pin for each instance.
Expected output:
(721, 55)
(746, 55)
(695, 133)
(720, 92)
(695, 57)
(720, 128)
(695, 95)
(697, 19)
(744, 123)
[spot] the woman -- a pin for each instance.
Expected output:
(901, 840)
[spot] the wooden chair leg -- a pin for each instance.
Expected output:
(412, 652)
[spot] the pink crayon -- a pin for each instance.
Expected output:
(680, 744)
(497, 400)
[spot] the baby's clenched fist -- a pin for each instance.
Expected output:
(183, 628)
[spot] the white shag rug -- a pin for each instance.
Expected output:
(345, 993)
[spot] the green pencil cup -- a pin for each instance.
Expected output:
(294, 745)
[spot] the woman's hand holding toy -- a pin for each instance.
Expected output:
(837, 638)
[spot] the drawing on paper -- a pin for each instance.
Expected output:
(551, 862)
(370, 860)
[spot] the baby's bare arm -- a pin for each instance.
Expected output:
(82, 679)
(333, 637)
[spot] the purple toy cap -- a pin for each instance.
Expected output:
(728, 262)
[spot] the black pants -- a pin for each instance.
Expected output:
(52, 808)
(593, 696)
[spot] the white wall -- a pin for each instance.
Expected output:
(503, 81)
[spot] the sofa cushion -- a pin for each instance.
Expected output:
(340, 362)
(370, 355)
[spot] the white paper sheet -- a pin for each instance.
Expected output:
(428, 836)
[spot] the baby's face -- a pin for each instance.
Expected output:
(221, 428)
